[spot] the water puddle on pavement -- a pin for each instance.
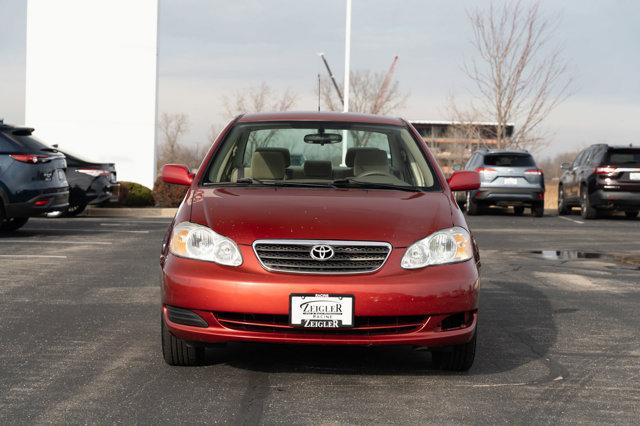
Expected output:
(625, 261)
(566, 254)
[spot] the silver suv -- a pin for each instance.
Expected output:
(507, 179)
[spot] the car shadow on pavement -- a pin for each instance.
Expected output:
(516, 327)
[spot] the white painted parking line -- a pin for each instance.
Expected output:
(30, 256)
(84, 230)
(572, 220)
(27, 241)
(103, 219)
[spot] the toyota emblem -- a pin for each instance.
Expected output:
(321, 252)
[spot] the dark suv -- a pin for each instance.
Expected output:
(32, 177)
(601, 178)
(508, 178)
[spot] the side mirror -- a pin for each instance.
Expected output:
(177, 174)
(464, 181)
(565, 166)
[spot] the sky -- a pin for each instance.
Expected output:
(208, 49)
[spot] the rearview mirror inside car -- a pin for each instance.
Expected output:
(464, 181)
(565, 166)
(177, 174)
(323, 138)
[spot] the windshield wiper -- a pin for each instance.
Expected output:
(354, 183)
(252, 180)
(276, 183)
(302, 184)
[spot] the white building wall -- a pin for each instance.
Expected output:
(91, 80)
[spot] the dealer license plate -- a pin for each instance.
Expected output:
(510, 181)
(321, 310)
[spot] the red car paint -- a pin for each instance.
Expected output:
(247, 214)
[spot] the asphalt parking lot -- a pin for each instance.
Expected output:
(558, 342)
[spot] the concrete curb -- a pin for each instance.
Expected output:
(149, 212)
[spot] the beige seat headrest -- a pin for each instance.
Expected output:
(318, 169)
(284, 151)
(351, 153)
(268, 165)
(369, 160)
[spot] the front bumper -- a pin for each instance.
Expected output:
(509, 196)
(43, 203)
(434, 293)
(616, 199)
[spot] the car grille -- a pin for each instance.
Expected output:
(350, 257)
(363, 325)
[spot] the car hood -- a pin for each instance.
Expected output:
(251, 213)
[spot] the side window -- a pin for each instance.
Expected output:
(579, 159)
(6, 145)
(596, 158)
(469, 164)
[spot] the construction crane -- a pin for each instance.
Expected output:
(383, 91)
(333, 79)
(384, 87)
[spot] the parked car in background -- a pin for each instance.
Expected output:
(32, 177)
(89, 183)
(372, 251)
(507, 179)
(601, 178)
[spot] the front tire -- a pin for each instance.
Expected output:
(563, 209)
(178, 352)
(459, 358)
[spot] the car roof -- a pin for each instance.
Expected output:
(621, 146)
(341, 117)
(505, 151)
(15, 130)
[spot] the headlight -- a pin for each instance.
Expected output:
(446, 246)
(199, 242)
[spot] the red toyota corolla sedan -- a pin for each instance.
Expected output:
(320, 228)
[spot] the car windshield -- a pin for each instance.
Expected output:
(623, 156)
(509, 160)
(321, 154)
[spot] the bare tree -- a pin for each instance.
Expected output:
(551, 165)
(519, 76)
(368, 94)
(258, 99)
(172, 128)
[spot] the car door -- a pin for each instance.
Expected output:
(584, 171)
(570, 184)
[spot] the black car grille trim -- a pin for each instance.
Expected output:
(185, 317)
(293, 256)
(363, 325)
